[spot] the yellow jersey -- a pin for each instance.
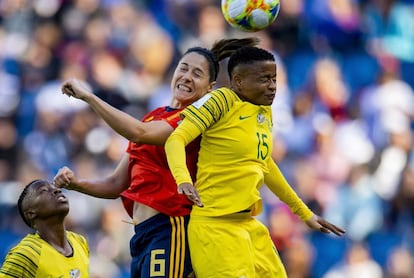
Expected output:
(235, 155)
(235, 146)
(34, 257)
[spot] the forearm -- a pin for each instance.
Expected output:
(281, 188)
(122, 123)
(175, 151)
(106, 188)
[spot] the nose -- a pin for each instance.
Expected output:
(187, 76)
(272, 84)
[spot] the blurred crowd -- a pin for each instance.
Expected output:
(343, 118)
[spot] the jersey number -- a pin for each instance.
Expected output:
(157, 266)
(262, 146)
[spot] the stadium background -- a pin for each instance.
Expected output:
(343, 117)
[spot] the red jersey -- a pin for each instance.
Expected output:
(151, 182)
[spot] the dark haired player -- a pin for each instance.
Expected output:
(143, 179)
(51, 251)
(234, 162)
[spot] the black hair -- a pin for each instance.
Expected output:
(221, 49)
(23, 196)
(248, 55)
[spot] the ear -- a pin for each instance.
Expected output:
(30, 215)
(237, 81)
(211, 86)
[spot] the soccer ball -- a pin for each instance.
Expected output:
(250, 15)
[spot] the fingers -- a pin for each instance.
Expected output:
(195, 199)
(72, 88)
(77, 88)
(67, 89)
(189, 190)
(327, 227)
(63, 178)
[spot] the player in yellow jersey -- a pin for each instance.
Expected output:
(234, 162)
(51, 251)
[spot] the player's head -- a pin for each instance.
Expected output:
(41, 200)
(197, 70)
(252, 73)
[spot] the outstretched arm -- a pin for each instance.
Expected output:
(176, 157)
(154, 132)
(108, 188)
(281, 188)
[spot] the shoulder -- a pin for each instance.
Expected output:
(24, 256)
(79, 239)
(226, 94)
(31, 243)
(211, 107)
(222, 97)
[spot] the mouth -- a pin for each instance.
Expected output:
(184, 88)
(270, 97)
(62, 198)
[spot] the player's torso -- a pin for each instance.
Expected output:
(53, 264)
(233, 158)
(243, 135)
(151, 182)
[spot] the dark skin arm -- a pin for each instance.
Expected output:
(108, 187)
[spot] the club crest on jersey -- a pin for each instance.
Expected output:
(261, 118)
(75, 273)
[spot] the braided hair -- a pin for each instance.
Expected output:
(221, 49)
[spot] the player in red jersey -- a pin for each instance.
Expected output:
(142, 177)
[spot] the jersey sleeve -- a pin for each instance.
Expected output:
(281, 188)
(210, 108)
(21, 261)
(175, 150)
(196, 119)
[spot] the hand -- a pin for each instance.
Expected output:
(65, 178)
(320, 224)
(76, 88)
(189, 190)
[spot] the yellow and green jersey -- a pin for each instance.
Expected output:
(34, 257)
(235, 155)
(236, 144)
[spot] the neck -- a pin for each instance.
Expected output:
(55, 235)
(242, 97)
(177, 104)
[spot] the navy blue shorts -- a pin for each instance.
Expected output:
(159, 248)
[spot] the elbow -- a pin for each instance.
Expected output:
(136, 132)
(137, 136)
(136, 140)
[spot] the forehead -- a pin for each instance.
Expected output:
(193, 59)
(35, 186)
(257, 68)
